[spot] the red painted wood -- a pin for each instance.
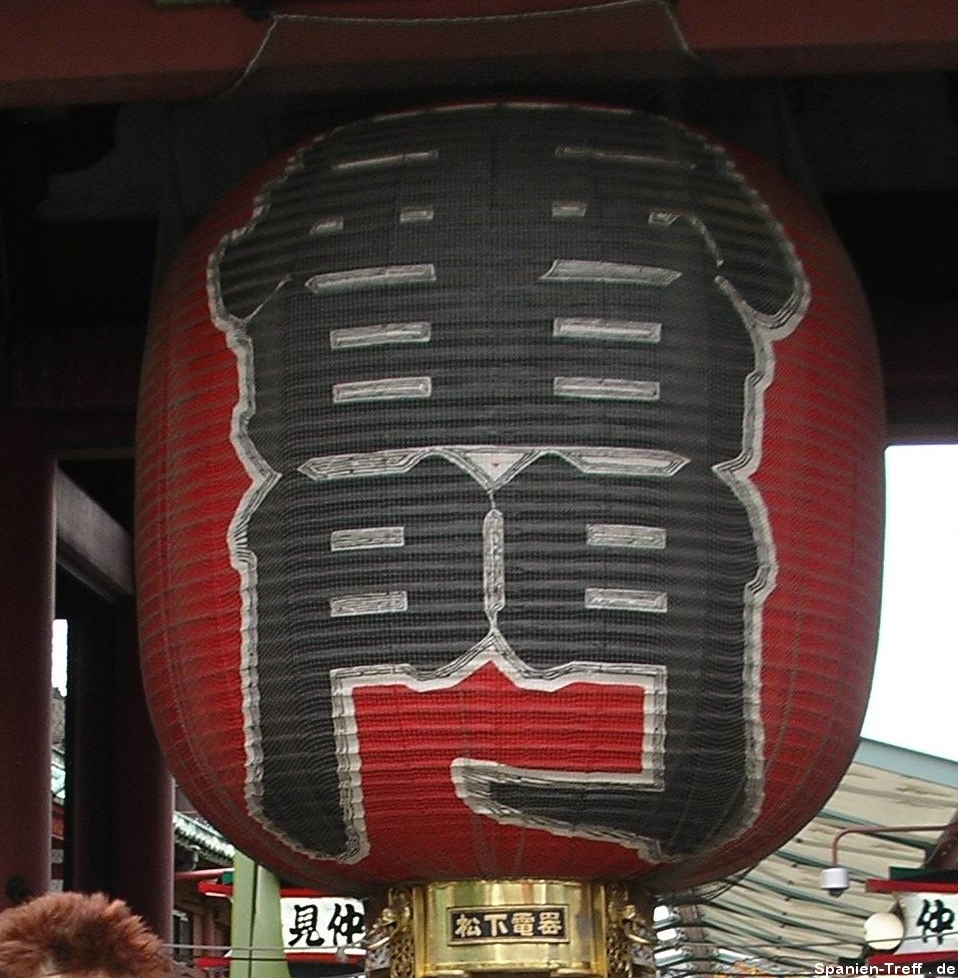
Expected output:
(781, 38)
(909, 886)
(918, 957)
(26, 613)
(62, 52)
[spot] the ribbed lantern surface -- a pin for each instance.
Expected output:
(509, 504)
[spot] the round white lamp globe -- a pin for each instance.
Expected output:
(884, 931)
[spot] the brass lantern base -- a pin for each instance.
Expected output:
(561, 928)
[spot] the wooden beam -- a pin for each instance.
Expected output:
(782, 37)
(60, 51)
(919, 352)
(91, 545)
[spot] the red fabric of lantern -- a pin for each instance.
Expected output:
(510, 504)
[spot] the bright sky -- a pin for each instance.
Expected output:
(916, 678)
(60, 655)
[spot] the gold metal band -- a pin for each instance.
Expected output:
(560, 928)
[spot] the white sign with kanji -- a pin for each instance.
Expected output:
(931, 922)
(319, 924)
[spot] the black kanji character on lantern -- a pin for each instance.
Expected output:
(393, 360)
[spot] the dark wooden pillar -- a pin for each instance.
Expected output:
(143, 807)
(90, 781)
(26, 619)
(119, 791)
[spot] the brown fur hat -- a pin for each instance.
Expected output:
(79, 936)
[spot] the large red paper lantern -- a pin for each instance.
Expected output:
(510, 504)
